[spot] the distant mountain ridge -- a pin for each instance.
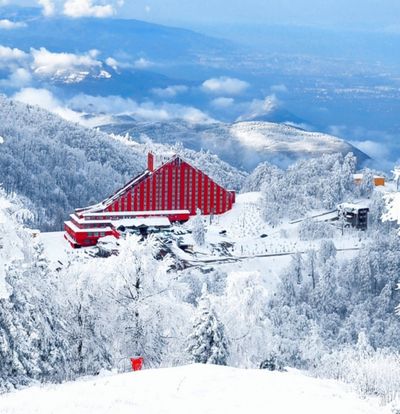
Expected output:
(109, 35)
(241, 144)
(149, 55)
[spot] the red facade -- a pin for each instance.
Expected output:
(175, 190)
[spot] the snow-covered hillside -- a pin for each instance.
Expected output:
(59, 166)
(192, 389)
(283, 139)
(282, 292)
(242, 144)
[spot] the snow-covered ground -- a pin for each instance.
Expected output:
(245, 227)
(281, 138)
(246, 237)
(57, 249)
(203, 389)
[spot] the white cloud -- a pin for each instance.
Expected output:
(375, 150)
(142, 63)
(41, 63)
(147, 111)
(225, 86)
(49, 64)
(259, 107)
(12, 58)
(17, 79)
(87, 8)
(281, 88)
(222, 102)
(77, 108)
(169, 91)
(8, 53)
(46, 100)
(39, 97)
(9, 25)
(48, 7)
(113, 63)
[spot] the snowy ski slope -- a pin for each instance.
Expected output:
(194, 389)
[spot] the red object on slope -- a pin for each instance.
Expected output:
(137, 363)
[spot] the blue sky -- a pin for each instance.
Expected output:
(367, 13)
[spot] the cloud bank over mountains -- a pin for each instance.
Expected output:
(80, 8)
(6, 24)
(41, 63)
(225, 85)
(103, 108)
(35, 77)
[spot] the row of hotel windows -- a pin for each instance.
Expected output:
(109, 218)
(176, 202)
(164, 198)
(173, 198)
(97, 234)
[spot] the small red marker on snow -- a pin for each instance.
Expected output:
(137, 363)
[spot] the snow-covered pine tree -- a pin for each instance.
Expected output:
(367, 183)
(198, 230)
(207, 343)
(396, 176)
(347, 173)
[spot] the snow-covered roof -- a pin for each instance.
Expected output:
(78, 220)
(108, 201)
(360, 176)
(131, 214)
(76, 229)
(352, 206)
(143, 222)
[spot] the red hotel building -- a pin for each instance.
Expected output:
(175, 190)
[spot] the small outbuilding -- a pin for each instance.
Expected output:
(378, 180)
(353, 215)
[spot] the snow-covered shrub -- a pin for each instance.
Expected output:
(370, 372)
(207, 343)
(272, 363)
(367, 185)
(198, 229)
(33, 340)
(264, 174)
(314, 230)
(243, 312)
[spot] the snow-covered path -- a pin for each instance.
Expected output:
(202, 389)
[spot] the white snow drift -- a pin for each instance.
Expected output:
(192, 389)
